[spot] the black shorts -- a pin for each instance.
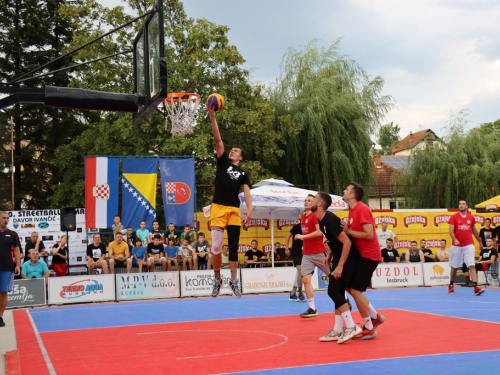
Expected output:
(120, 263)
(348, 272)
(297, 258)
(202, 259)
(363, 274)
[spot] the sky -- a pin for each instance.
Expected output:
(437, 57)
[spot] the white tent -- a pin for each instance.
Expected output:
(281, 202)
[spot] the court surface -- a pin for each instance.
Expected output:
(426, 331)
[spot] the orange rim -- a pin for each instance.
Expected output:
(174, 97)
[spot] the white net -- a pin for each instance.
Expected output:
(181, 111)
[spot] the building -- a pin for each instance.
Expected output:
(414, 140)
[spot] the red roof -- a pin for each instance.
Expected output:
(383, 174)
(413, 139)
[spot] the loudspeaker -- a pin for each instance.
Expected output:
(68, 219)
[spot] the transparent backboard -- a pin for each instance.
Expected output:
(150, 66)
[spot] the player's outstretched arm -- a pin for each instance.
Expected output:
(219, 146)
(248, 202)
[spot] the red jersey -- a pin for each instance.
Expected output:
(313, 245)
(463, 228)
(359, 215)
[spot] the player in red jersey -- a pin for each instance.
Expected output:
(462, 227)
(360, 227)
(313, 253)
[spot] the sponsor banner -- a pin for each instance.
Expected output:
(199, 283)
(267, 280)
(322, 279)
(436, 273)
(27, 293)
(77, 289)
(390, 275)
(147, 285)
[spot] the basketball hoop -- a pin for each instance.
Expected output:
(181, 108)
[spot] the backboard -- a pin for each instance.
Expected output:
(150, 65)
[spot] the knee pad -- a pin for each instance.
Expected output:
(233, 241)
(217, 237)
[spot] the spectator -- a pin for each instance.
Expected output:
(414, 254)
(487, 257)
(117, 227)
(443, 254)
(487, 232)
(35, 243)
(383, 234)
(96, 255)
(171, 252)
(389, 254)
(225, 256)
(156, 230)
(156, 252)
(254, 255)
(171, 233)
(60, 256)
(35, 268)
(186, 253)
(119, 254)
(143, 233)
(201, 252)
(190, 235)
(129, 238)
(428, 255)
(140, 256)
(296, 254)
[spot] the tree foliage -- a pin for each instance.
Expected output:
(462, 165)
(326, 109)
(388, 136)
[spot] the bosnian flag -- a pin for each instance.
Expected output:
(101, 191)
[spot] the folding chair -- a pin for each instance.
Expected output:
(493, 272)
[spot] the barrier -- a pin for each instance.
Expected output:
(199, 283)
(390, 275)
(152, 285)
(267, 280)
(77, 289)
(27, 293)
(436, 273)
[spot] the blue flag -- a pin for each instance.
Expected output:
(178, 188)
(139, 177)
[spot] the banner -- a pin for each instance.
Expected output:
(139, 191)
(436, 273)
(199, 283)
(267, 280)
(147, 285)
(101, 191)
(391, 275)
(77, 289)
(178, 188)
(47, 224)
(27, 293)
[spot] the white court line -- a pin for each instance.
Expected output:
(285, 339)
(364, 360)
(46, 357)
(447, 316)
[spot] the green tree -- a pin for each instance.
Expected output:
(326, 109)
(388, 136)
(462, 165)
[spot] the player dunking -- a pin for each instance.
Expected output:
(360, 228)
(225, 209)
(462, 227)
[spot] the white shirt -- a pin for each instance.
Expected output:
(382, 236)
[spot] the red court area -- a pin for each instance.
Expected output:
(233, 345)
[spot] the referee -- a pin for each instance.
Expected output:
(9, 246)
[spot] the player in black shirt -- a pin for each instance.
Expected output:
(225, 209)
(343, 258)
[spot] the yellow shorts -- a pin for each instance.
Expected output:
(222, 216)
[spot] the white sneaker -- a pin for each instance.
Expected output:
(331, 335)
(349, 333)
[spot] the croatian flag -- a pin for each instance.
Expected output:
(101, 191)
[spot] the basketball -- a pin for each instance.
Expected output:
(216, 101)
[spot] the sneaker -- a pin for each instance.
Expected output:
(302, 297)
(376, 322)
(216, 287)
(293, 298)
(451, 289)
(331, 335)
(366, 334)
(349, 333)
(310, 313)
(2, 323)
(471, 284)
(235, 287)
(478, 291)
